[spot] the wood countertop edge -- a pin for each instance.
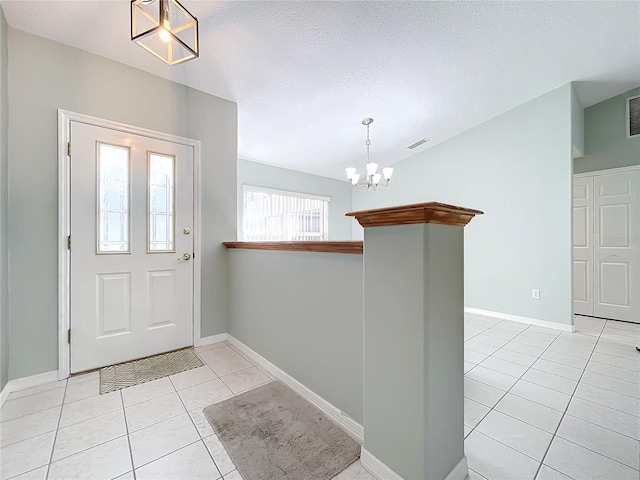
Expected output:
(346, 246)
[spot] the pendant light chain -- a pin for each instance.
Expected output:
(368, 143)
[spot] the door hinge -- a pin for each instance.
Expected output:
(69, 336)
(69, 148)
(69, 242)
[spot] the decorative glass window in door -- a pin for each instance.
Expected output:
(161, 202)
(113, 199)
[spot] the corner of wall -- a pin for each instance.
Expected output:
(4, 249)
(577, 124)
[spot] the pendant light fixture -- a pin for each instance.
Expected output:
(165, 29)
(372, 178)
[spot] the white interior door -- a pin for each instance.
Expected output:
(617, 246)
(583, 246)
(131, 246)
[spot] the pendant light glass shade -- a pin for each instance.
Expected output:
(165, 29)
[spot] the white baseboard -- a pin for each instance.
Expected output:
(27, 382)
(381, 471)
(350, 426)
(516, 318)
(460, 471)
(378, 469)
(221, 337)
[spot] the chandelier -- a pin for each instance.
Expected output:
(372, 178)
(165, 29)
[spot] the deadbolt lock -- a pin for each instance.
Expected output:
(186, 231)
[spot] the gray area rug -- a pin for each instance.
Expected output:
(144, 370)
(271, 433)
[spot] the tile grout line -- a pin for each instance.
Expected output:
(508, 414)
(35, 411)
(555, 433)
(595, 424)
(609, 389)
(33, 436)
(197, 429)
(192, 422)
(58, 428)
(540, 462)
(615, 366)
(55, 436)
(172, 452)
(31, 395)
(126, 426)
(482, 331)
(145, 401)
(177, 392)
(499, 400)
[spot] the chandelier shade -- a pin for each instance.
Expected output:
(372, 179)
(165, 29)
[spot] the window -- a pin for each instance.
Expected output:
(274, 215)
(161, 202)
(113, 198)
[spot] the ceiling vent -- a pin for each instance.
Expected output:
(418, 143)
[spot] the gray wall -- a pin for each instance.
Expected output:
(605, 132)
(45, 76)
(4, 192)
(261, 175)
(302, 311)
(515, 167)
(413, 346)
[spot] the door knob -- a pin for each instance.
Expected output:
(185, 257)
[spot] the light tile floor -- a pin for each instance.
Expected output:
(538, 404)
(552, 405)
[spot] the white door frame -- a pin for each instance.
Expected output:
(64, 219)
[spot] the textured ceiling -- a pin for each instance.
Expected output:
(305, 74)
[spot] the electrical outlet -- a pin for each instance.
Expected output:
(535, 294)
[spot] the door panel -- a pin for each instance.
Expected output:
(612, 276)
(617, 246)
(131, 291)
(161, 297)
(580, 278)
(114, 304)
(583, 246)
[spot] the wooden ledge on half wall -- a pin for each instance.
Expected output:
(427, 212)
(345, 246)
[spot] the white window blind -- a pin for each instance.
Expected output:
(275, 215)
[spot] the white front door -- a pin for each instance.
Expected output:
(617, 246)
(583, 246)
(131, 246)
